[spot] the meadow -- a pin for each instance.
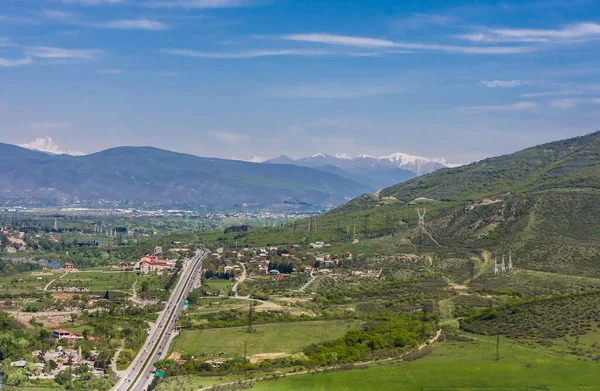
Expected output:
(458, 366)
(284, 338)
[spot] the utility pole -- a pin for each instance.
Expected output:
(498, 347)
(250, 313)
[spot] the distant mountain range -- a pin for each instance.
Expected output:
(150, 177)
(374, 172)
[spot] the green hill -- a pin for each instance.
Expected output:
(541, 203)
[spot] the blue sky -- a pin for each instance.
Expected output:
(460, 80)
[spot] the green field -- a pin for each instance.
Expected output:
(31, 282)
(267, 338)
(98, 281)
(458, 366)
(224, 286)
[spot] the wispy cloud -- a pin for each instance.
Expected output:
(138, 24)
(231, 138)
(119, 24)
(14, 63)
(57, 53)
(245, 54)
(565, 104)
(57, 15)
(518, 106)
(200, 4)
(376, 43)
(570, 90)
(92, 2)
(324, 91)
(505, 83)
(110, 71)
(577, 31)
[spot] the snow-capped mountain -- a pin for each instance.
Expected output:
(416, 164)
(47, 145)
(375, 172)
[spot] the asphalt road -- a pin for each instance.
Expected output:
(140, 373)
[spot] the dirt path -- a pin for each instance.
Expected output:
(239, 280)
(113, 364)
(313, 277)
(59, 278)
(264, 305)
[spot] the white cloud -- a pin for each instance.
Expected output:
(246, 54)
(375, 43)
(505, 83)
(92, 2)
(57, 15)
(573, 32)
(139, 24)
(14, 63)
(51, 52)
(200, 4)
(111, 71)
(572, 90)
(324, 91)
(565, 104)
(518, 106)
(230, 138)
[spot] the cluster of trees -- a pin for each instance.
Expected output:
(175, 275)
(8, 268)
(221, 275)
(394, 334)
(234, 318)
(236, 228)
(283, 267)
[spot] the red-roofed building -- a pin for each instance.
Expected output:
(151, 263)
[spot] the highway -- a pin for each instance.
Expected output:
(140, 373)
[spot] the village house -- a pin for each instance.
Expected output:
(151, 263)
(65, 334)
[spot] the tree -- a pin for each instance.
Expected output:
(62, 378)
(145, 286)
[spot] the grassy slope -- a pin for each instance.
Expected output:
(458, 366)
